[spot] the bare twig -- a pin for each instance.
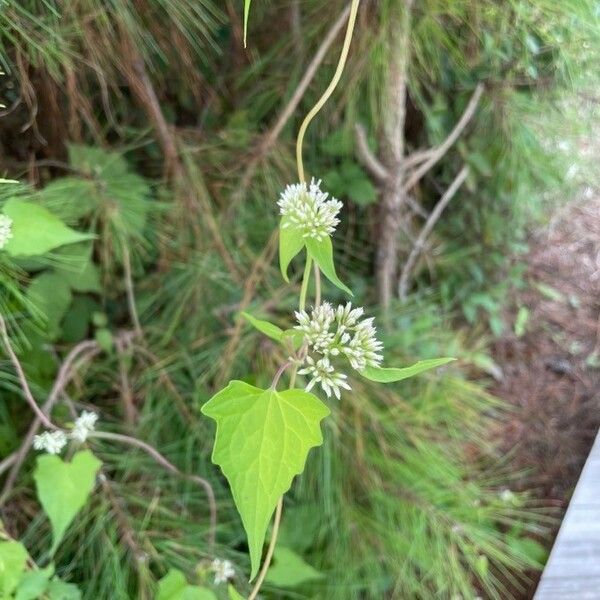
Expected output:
(163, 462)
(438, 152)
(431, 221)
(22, 379)
(272, 135)
(366, 157)
(86, 350)
(126, 392)
(130, 291)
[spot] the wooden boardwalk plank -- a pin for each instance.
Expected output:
(573, 569)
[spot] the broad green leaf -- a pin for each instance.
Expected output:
(362, 191)
(234, 594)
(60, 590)
(322, 253)
(246, 15)
(262, 441)
(36, 230)
(174, 586)
(63, 488)
(294, 336)
(33, 585)
(290, 570)
(13, 558)
(388, 375)
(290, 244)
(265, 327)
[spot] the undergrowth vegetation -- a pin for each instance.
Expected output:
(149, 130)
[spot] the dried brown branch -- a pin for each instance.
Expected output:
(435, 154)
(366, 157)
(137, 77)
(427, 228)
(269, 139)
(163, 462)
(22, 379)
(85, 351)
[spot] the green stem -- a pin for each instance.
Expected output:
(330, 88)
(305, 280)
(309, 263)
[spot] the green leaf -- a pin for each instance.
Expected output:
(262, 441)
(174, 586)
(521, 321)
(234, 594)
(290, 570)
(322, 253)
(33, 585)
(246, 15)
(388, 375)
(265, 327)
(362, 191)
(290, 244)
(13, 558)
(51, 294)
(60, 590)
(36, 230)
(63, 488)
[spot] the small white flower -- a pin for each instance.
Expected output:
(333, 332)
(506, 495)
(223, 570)
(323, 373)
(309, 209)
(84, 425)
(51, 441)
(5, 230)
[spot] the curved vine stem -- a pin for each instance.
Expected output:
(330, 88)
(309, 263)
(270, 551)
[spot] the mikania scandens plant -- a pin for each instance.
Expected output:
(264, 435)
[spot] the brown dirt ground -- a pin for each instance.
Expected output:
(552, 371)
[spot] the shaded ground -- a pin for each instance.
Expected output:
(552, 369)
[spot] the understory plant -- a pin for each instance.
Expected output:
(264, 436)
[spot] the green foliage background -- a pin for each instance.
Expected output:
(404, 499)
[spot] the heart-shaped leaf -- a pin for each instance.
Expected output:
(321, 251)
(391, 374)
(262, 441)
(63, 488)
(35, 230)
(290, 244)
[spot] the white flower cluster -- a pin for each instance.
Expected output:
(53, 442)
(329, 333)
(50, 441)
(84, 425)
(309, 209)
(223, 570)
(5, 230)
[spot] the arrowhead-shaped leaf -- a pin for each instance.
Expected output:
(35, 230)
(290, 243)
(321, 252)
(262, 441)
(265, 327)
(63, 488)
(391, 374)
